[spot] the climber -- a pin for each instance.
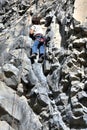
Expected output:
(36, 33)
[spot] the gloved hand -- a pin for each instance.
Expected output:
(47, 39)
(32, 36)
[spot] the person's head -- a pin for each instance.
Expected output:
(36, 20)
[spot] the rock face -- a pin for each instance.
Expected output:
(18, 111)
(42, 96)
(80, 12)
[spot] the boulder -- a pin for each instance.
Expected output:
(18, 108)
(5, 126)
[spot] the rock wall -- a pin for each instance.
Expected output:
(42, 96)
(80, 11)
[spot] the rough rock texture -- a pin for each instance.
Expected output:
(42, 96)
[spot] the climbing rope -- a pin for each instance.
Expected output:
(15, 22)
(14, 99)
(13, 108)
(20, 70)
(20, 74)
(22, 51)
(19, 80)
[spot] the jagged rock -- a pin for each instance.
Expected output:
(64, 85)
(18, 108)
(82, 54)
(20, 89)
(76, 88)
(56, 121)
(5, 126)
(63, 99)
(39, 73)
(82, 98)
(81, 95)
(1, 75)
(19, 43)
(85, 85)
(32, 78)
(11, 69)
(73, 76)
(84, 28)
(40, 95)
(53, 80)
(1, 27)
(57, 89)
(81, 28)
(78, 121)
(55, 66)
(11, 75)
(79, 42)
(46, 67)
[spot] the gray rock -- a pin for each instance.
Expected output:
(11, 75)
(18, 108)
(37, 68)
(57, 90)
(63, 99)
(32, 78)
(78, 121)
(11, 69)
(40, 95)
(53, 80)
(76, 88)
(79, 42)
(46, 67)
(1, 75)
(5, 126)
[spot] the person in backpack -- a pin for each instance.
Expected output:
(36, 33)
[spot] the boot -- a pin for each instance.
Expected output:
(41, 59)
(33, 56)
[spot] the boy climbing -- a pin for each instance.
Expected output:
(36, 33)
